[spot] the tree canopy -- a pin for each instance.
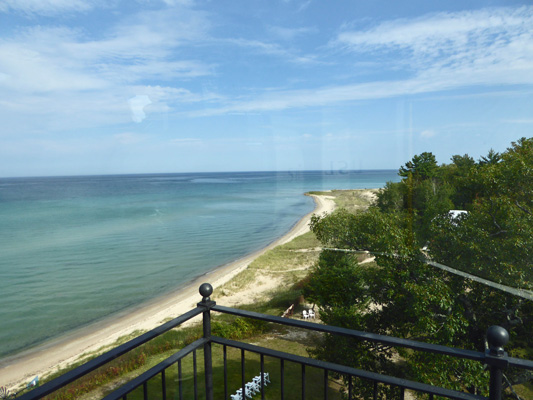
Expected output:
(422, 166)
(401, 295)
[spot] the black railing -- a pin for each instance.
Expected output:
(495, 358)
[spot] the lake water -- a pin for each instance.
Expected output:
(74, 250)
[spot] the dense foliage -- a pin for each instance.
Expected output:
(403, 296)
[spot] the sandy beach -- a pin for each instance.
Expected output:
(69, 348)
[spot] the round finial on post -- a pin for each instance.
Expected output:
(497, 338)
(206, 290)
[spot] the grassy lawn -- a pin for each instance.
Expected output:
(314, 378)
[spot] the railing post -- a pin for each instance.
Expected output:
(206, 290)
(496, 359)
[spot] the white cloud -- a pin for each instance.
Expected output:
(482, 43)
(128, 138)
(44, 59)
(47, 7)
(62, 77)
(519, 121)
(428, 133)
(174, 3)
(272, 49)
(289, 33)
(67, 78)
(68, 111)
(446, 51)
(435, 33)
(137, 105)
(28, 68)
(332, 95)
(301, 6)
(186, 141)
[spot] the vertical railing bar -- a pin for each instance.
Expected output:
(242, 376)
(402, 393)
(282, 379)
(350, 388)
(262, 377)
(206, 290)
(225, 372)
(180, 381)
(431, 396)
(326, 384)
(125, 397)
(195, 374)
(375, 390)
(497, 338)
(303, 381)
(145, 390)
(164, 385)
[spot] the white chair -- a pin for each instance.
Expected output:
(236, 396)
(305, 315)
(257, 380)
(253, 387)
(248, 393)
(311, 314)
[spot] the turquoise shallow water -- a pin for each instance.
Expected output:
(74, 250)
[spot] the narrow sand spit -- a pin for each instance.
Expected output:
(69, 349)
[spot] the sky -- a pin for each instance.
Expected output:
(163, 86)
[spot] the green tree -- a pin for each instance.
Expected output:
(496, 240)
(403, 296)
(459, 176)
(463, 163)
(422, 166)
(423, 194)
(492, 157)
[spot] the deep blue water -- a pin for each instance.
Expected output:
(74, 250)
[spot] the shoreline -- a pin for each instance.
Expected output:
(69, 348)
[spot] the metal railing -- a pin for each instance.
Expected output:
(495, 358)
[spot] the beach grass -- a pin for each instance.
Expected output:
(289, 261)
(352, 200)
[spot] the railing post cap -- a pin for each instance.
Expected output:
(206, 290)
(497, 337)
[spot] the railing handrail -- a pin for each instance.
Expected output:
(519, 363)
(388, 340)
(495, 357)
(103, 359)
(139, 380)
(341, 369)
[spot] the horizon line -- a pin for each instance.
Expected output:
(331, 171)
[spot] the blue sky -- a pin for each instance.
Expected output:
(144, 86)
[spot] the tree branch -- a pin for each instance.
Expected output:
(511, 387)
(522, 208)
(501, 230)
